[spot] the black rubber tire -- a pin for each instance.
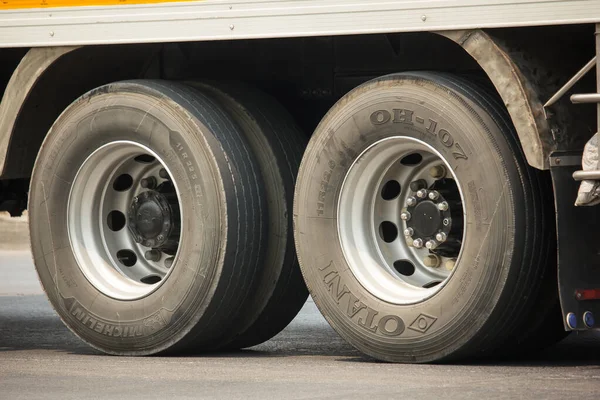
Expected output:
(279, 291)
(223, 228)
(542, 325)
(499, 277)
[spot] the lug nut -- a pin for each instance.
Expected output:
(443, 206)
(411, 201)
(148, 183)
(405, 216)
(409, 232)
(431, 244)
(437, 172)
(418, 184)
(152, 255)
(164, 174)
(431, 261)
(434, 195)
(418, 243)
(422, 193)
(446, 221)
(450, 264)
(169, 262)
(441, 237)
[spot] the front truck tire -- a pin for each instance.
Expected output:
(422, 234)
(147, 218)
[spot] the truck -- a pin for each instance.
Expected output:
(426, 169)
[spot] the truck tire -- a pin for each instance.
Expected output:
(279, 291)
(542, 325)
(147, 218)
(421, 232)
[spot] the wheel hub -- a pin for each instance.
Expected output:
(153, 218)
(124, 220)
(430, 218)
(427, 219)
(401, 220)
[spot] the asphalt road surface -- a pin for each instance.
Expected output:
(40, 358)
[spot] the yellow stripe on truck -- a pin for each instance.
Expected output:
(23, 4)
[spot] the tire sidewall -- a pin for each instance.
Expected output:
(435, 328)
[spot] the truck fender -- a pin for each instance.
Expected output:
(31, 68)
(516, 90)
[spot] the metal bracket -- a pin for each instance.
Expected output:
(561, 159)
(592, 175)
(557, 96)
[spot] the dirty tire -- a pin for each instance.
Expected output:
(277, 143)
(541, 327)
(223, 223)
(501, 269)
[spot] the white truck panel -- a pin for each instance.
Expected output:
(218, 19)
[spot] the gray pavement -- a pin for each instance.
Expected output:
(40, 358)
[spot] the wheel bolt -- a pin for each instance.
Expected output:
(409, 232)
(418, 184)
(441, 237)
(169, 262)
(163, 173)
(148, 183)
(450, 264)
(437, 172)
(422, 193)
(431, 261)
(431, 244)
(411, 201)
(418, 243)
(152, 255)
(443, 206)
(405, 216)
(446, 221)
(434, 195)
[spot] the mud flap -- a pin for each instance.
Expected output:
(578, 246)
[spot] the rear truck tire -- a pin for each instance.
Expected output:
(147, 218)
(543, 325)
(422, 234)
(278, 291)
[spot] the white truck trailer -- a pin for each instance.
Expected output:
(177, 159)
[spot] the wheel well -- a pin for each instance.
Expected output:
(10, 59)
(308, 75)
(73, 73)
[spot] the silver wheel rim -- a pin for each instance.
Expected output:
(122, 195)
(378, 234)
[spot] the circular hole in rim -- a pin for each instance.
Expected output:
(388, 231)
(115, 220)
(411, 159)
(127, 257)
(123, 182)
(145, 159)
(431, 284)
(391, 190)
(404, 267)
(151, 279)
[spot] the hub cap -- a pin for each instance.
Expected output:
(124, 220)
(400, 220)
